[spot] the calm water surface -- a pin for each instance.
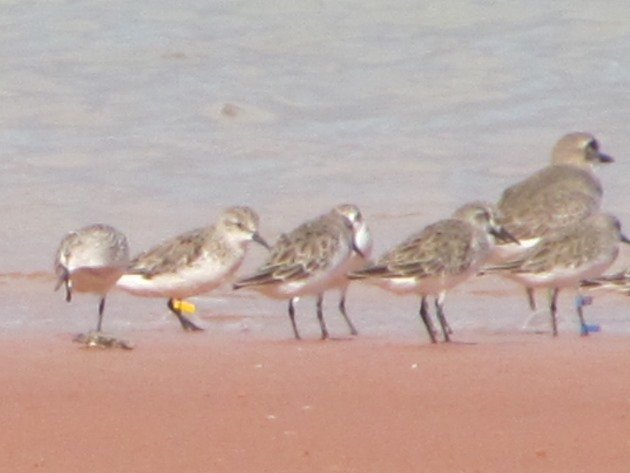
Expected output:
(153, 116)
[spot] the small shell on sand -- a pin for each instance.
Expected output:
(102, 340)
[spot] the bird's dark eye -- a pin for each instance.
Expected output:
(237, 224)
(593, 144)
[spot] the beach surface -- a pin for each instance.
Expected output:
(210, 402)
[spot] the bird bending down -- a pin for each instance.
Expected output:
(91, 260)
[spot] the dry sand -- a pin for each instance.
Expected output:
(215, 403)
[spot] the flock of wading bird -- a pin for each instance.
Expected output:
(547, 231)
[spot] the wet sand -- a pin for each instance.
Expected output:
(216, 402)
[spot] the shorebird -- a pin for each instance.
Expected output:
(310, 260)
(91, 260)
(194, 262)
(440, 257)
(564, 258)
(559, 195)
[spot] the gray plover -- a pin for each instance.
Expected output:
(559, 195)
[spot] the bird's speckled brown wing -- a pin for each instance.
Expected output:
(566, 249)
(441, 248)
(170, 255)
(551, 199)
(301, 253)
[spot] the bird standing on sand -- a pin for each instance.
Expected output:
(440, 257)
(559, 195)
(91, 260)
(310, 260)
(193, 263)
(564, 258)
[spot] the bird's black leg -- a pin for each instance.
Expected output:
(68, 285)
(553, 308)
(342, 309)
(292, 317)
(530, 298)
(101, 310)
(426, 319)
(320, 316)
(439, 309)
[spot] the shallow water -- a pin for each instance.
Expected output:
(152, 117)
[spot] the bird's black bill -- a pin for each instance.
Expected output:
(258, 239)
(502, 235)
(68, 290)
(605, 158)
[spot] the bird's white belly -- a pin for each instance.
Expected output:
(186, 282)
(562, 277)
(511, 251)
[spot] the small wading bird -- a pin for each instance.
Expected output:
(193, 263)
(440, 257)
(564, 258)
(91, 260)
(310, 260)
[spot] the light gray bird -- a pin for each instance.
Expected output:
(559, 195)
(91, 260)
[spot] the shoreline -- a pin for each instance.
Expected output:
(504, 402)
